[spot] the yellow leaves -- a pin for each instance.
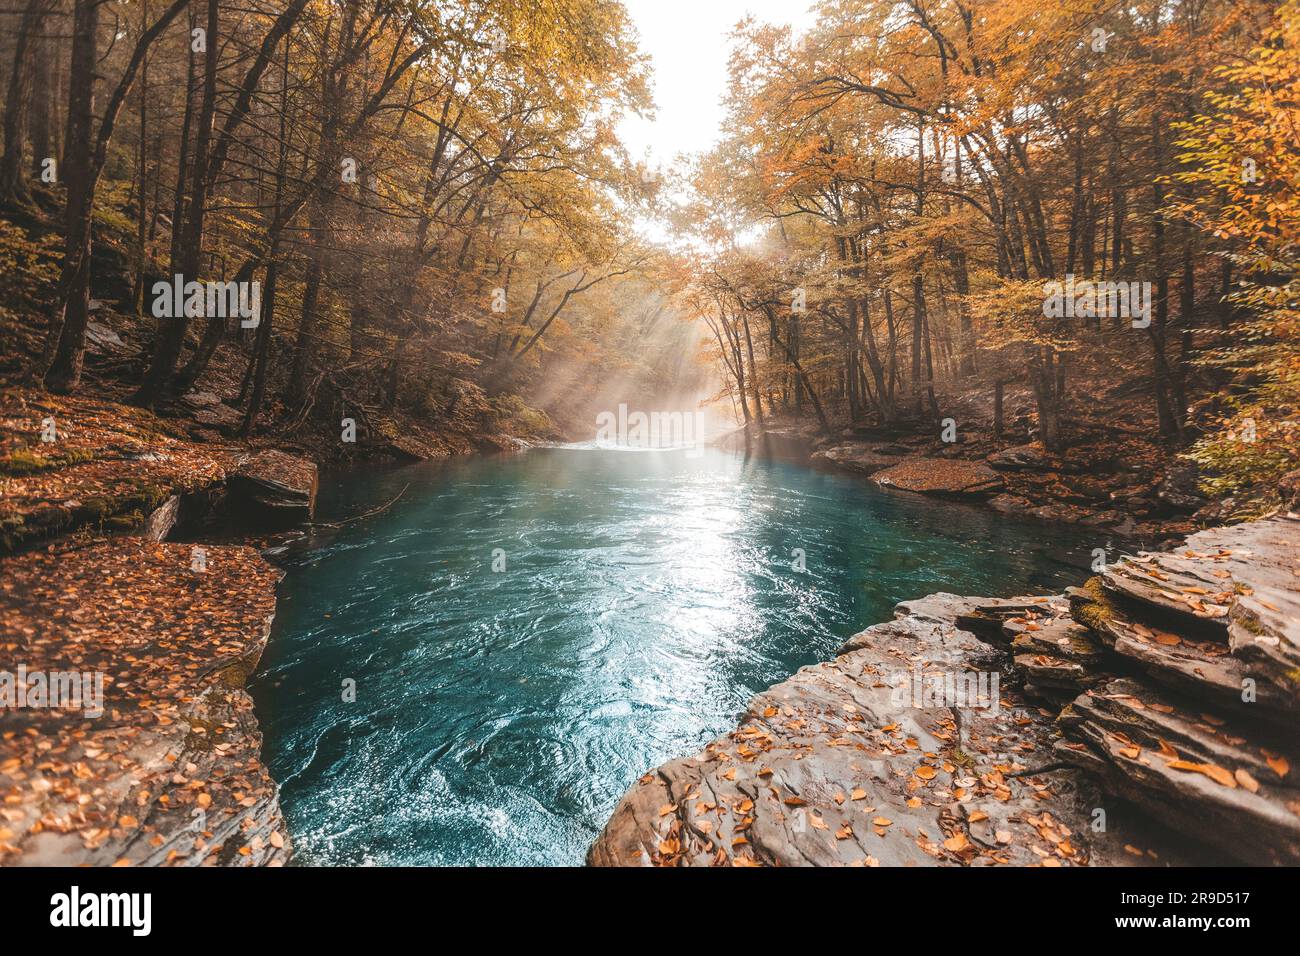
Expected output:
(1218, 774)
(1246, 781)
(1279, 764)
(957, 843)
(858, 794)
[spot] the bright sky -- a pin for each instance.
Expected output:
(688, 43)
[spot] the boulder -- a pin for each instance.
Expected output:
(161, 520)
(1202, 731)
(1179, 490)
(1029, 457)
(274, 485)
(197, 399)
(1010, 504)
(102, 340)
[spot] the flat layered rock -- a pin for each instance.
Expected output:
(1264, 619)
(1057, 637)
(1029, 457)
(277, 483)
(938, 476)
(1219, 616)
(857, 457)
(164, 767)
(846, 764)
(999, 620)
(1192, 769)
(1058, 657)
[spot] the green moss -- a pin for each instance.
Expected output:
(27, 461)
(151, 497)
(236, 675)
(1251, 623)
(1097, 611)
(203, 741)
(125, 522)
(97, 507)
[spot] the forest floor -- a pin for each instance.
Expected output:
(161, 763)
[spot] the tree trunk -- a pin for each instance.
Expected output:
(64, 372)
(261, 350)
(753, 370)
(13, 182)
(1168, 421)
(998, 416)
(40, 114)
(1043, 378)
(188, 253)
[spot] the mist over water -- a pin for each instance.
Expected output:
(646, 596)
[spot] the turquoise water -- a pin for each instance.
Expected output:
(646, 596)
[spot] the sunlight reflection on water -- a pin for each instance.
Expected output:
(646, 598)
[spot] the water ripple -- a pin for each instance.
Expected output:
(499, 715)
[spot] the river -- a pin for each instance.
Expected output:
(475, 675)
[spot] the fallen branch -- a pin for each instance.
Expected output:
(366, 514)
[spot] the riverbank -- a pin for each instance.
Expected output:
(1144, 719)
(92, 580)
(1121, 483)
(156, 759)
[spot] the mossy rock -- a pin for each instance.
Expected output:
(27, 461)
(1096, 611)
(125, 522)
